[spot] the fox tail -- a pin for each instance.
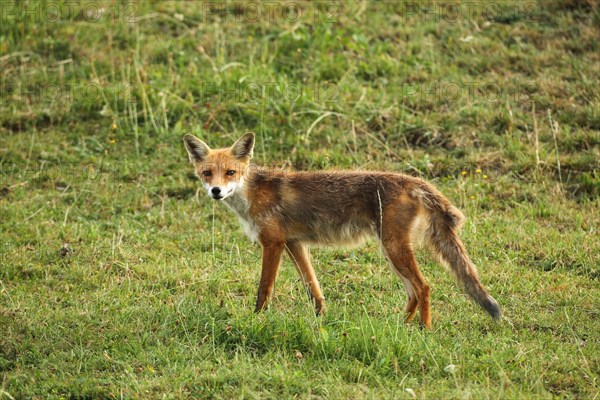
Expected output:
(441, 237)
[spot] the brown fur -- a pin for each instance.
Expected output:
(291, 210)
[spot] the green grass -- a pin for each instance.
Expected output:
(119, 279)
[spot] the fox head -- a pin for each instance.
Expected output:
(221, 170)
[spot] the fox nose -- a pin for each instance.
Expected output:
(215, 190)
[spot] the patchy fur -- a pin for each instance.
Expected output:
(292, 210)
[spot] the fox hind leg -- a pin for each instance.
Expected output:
(412, 302)
(404, 263)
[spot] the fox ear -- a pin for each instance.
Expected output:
(244, 146)
(196, 148)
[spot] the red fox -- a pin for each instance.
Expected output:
(288, 211)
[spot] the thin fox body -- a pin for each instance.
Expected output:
(289, 211)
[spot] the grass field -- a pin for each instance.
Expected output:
(119, 279)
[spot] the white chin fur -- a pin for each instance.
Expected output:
(226, 191)
(223, 195)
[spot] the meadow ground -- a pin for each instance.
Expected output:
(118, 279)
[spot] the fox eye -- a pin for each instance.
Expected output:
(230, 172)
(207, 173)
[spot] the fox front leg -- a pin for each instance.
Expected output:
(271, 258)
(301, 259)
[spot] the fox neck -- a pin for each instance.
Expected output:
(238, 203)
